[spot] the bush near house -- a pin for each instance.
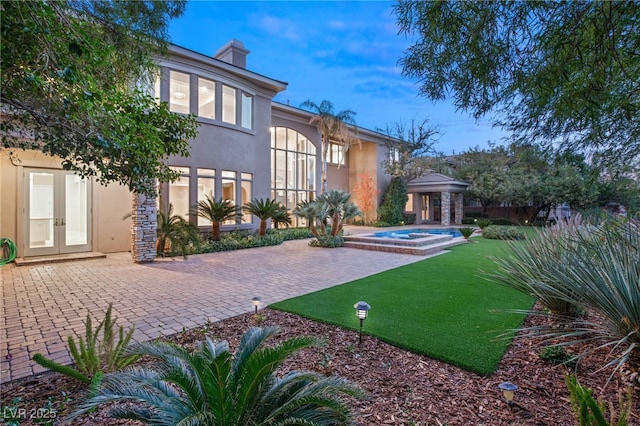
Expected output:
(503, 233)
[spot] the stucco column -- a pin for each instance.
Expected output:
(445, 208)
(459, 209)
(144, 228)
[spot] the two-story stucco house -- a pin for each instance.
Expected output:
(248, 146)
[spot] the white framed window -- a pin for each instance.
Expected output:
(247, 111)
(179, 92)
(228, 104)
(206, 98)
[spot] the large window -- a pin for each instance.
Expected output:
(179, 92)
(228, 104)
(179, 193)
(206, 187)
(293, 168)
(206, 98)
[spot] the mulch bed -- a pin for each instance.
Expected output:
(403, 388)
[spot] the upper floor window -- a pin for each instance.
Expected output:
(394, 154)
(247, 111)
(336, 153)
(228, 104)
(179, 93)
(206, 98)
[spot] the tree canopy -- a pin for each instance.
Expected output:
(75, 79)
(565, 73)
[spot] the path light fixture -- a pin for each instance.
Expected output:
(256, 303)
(362, 310)
(508, 390)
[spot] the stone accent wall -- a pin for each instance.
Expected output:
(144, 228)
(445, 208)
(458, 208)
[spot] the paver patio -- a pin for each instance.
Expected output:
(43, 304)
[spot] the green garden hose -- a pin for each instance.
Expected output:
(11, 251)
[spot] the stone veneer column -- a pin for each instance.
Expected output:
(445, 208)
(144, 228)
(459, 208)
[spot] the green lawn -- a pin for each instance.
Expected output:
(440, 307)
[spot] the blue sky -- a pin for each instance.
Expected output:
(345, 52)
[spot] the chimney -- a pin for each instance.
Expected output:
(233, 53)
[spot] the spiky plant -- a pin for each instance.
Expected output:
(263, 210)
(598, 268)
(216, 211)
(211, 386)
(281, 217)
(175, 230)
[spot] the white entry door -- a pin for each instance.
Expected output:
(57, 212)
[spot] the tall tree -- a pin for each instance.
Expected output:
(339, 127)
(74, 80)
(553, 72)
(411, 149)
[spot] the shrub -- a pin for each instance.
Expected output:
(502, 233)
(469, 221)
(292, 233)
(503, 222)
(479, 215)
(393, 203)
(238, 240)
(483, 223)
(213, 386)
(409, 218)
(466, 232)
(555, 355)
(327, 241)
(92, 356)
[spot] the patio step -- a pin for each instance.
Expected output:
(424, 250)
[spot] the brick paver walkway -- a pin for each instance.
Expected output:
(43, 304)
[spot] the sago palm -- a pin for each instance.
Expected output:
(263, 210)
(213, 387)
(216, 211)
(175, 230)
(281, 217)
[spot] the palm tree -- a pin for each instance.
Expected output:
(340, 208)
(175, 230)
(216, 211)
(281, 217)
(263, 210)
(332, 126)
(214, 387)
(315, 214)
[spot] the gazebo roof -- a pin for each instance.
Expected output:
(436, 182)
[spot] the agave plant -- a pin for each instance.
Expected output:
(597, 268)
(216, 211)
(176, 231)
(213, 387)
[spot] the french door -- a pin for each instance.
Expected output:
(57, 212)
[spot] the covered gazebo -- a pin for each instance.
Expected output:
(426, 190)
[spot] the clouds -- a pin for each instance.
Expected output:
(346, 52)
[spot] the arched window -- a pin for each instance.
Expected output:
(293, 168)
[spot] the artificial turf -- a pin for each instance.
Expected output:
(442, 307)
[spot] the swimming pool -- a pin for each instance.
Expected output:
(409, 234)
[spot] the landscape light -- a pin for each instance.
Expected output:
(508, 390)
(256, 303)
(362, 310)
